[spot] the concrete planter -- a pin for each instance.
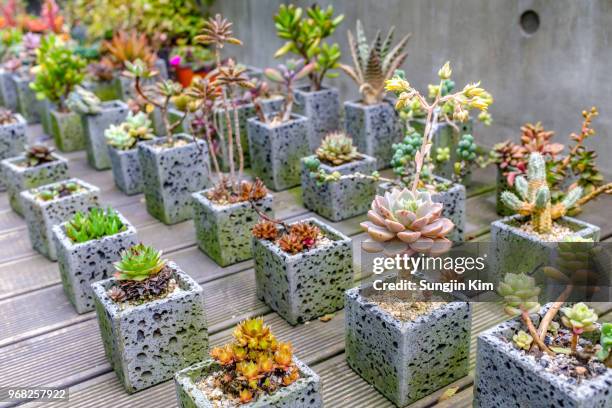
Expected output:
(126, 170)
(67, 131)
(170, 175)
(276, 151)
(245, 112)
(305, 392)
(41, 216)
(322, 108)
(147, 343)
(46, 106)
(306, 285)
(12, 140)
(505, 376)
(81, 264)
(341, 199)
(105, 90)
(407, 360)
(27, 104)
(20, 178)
(374, 129)
(8, 91)
(113, 113)
(453, 200)
(513, 250)
(223, 232)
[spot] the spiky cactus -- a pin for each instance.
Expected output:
(534, 196)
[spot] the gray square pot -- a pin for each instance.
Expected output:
(223, 232)
(276, 151)
(105, 90)
(19, 178)
(126, 170)
(146, 344)
(304, 393)
(339, 200)
(12, 140)
(8, 92)
(453, 201)
(508, 241)
(322, 108)
(41, 216)
(27, 103)
(171, 175)
(306, 285)
(374, 128)
(67, 131)
(113, 113)
(407, 360)
(81, 264)
(506, 377)
(46, 106)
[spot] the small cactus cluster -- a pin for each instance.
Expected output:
(535, 197)
(137, 127)
(254, 364)
(7, 117)
(298, 237)
(336, 149)
(39, 154)
(60, 190)
(96, 224)
(84, 102)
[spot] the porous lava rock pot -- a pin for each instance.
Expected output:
(8, 91)
(19, 177)
(303, 286)
(223, 231)
(41, 215)
(513, 250)
(67, 131)
(113, 113)
(171, 174)
(342, 199)
(305, 392)
(46, 106)
(374, 129)
(322, 108)
(506, 376)
(147, 343)
(406, 360)
(27, 103)
(12, 140)
(127, 172)
(81, 264)
(276, 151)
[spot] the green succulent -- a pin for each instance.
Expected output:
(522, 340)
(84, 102)
(466, 148)
(126, 135)
(442, 154)
(94, 225)
(312, 163)
(138, 263)
(580, 318)
(336, 149)
(56, 190)
(520, 293)
(405, 151)
(605, 340)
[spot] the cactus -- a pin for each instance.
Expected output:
(534, 195)
(93, 225)
(138, 263)
(84, 102)
(522, 340)
(336, 149)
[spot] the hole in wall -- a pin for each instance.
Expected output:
(530, 22)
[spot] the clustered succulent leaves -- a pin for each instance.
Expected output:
(58, 190)
(139, 263)
(96, 224)
(305, 37)
(605, 342)
(84, 102)
(39, 154)
(336, 149)
(255, 363)
(249, 191)
(137, 127)
(127, 47)
(292, 239)
(7, 117)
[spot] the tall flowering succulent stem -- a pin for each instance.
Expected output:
(471, 97)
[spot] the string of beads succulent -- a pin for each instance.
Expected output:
(96, 224)
(39, 154)
(292, 239)
(60, 190)
(7, 117)
(84, 102)
(253, 365)
(337, 149)
(137, 127)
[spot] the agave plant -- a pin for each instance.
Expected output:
(138, 263)
(129, 47)
(374, 64)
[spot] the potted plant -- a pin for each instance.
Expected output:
(189, 61)
(27, 104)
(11, 44)
(341, 199)
(57, 74)
(52, 204)
(101, 80)
(305, 37)
(540, 358)
(278, 141)
(96, 118)
(39, 165)
(254, 370)
(122, 143)
(372, 121)
(225, 213)
(152, 319)
(86, 245)
(12, 136)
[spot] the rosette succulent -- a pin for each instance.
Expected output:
(605, 341)
(138, 263)
(336, 149)
(94, 225)
(409, 218)
(137, 127)
(84, 102)
(522, 340)
(520, 293)
(39, 154)
(7, 117)
(580, 318)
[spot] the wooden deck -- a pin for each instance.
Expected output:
(44, 342)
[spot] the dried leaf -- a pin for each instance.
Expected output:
(326, 318)
(448, 393)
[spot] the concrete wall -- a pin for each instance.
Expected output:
(550, 75)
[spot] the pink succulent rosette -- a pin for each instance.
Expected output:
(405, 222)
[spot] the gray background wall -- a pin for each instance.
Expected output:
(550, 75)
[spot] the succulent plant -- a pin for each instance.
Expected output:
(129, 47)
(405, 151)
(336, 149)
(138, 263)
(287, 74)
(7, 117)
(466, 148)
(520, 293)
(137, 127)
(101, 71)
(248, 191)
(116, 294)
(535, 200)
(58, 190)
(265, 230)
(94, 225)
(605, 341)
(39, 154)
(522, 340)
(579, 318)
(374, 64)
(412, 219)
(255, 363)
(84, 102)
(535, 138)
